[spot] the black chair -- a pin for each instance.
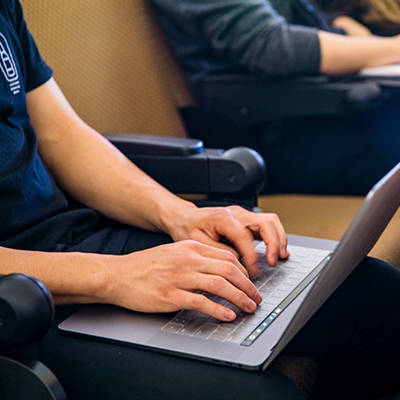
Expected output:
(184, 166)
(26, 313)
(248, 100)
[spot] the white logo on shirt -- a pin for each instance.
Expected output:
(8, 67)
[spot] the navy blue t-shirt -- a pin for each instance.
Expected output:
(34, 213)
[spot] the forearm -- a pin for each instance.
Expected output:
(161, 279)
(343, 54)
(71, 277)
(92, 170)
(104, 179)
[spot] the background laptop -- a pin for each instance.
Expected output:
(383, 72)
(292, 292)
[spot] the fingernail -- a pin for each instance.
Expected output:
(230, 315)
(251, 306)
(257, 297)
(285, 251)
(254, 269)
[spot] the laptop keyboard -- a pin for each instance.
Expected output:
(278, 286)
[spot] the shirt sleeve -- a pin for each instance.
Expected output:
(37, 71)
(251, 34)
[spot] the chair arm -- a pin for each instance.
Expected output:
(245, 99)
(26, 310)
(184, 166)
(26, 313)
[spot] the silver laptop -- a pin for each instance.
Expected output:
(292, 292)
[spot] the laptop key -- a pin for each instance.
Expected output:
(266, 306)
(298, 259)
(309, 264)
(292, 249)
(206, 330)
(171, 327)
(202, 315)
(286, 288)
(226, 328)
(220, 300)
(272, 300)
(192, 326)
(267, 289)
(187, 313)
(298, 275)
(304, 252)
(236, 337)
(279, 293)
(315, 258)
(181, 319)
(217, 336)
(303, 270)
(245, 328)
(291, 281)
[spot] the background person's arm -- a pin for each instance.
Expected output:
(246, 33)
(251, 34)
(345, 54)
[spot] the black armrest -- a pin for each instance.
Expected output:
(185, 166)
(244, 99)
(26, 313)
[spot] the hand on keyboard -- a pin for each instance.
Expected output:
(277, 285)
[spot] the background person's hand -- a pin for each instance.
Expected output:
(351, 26)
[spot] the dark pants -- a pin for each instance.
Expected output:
(340, 155)
(355, 334)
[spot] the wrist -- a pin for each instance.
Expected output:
(394, 50)
(89, 279)
(174, 218)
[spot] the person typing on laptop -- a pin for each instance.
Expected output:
(268, 39)
(76, 214)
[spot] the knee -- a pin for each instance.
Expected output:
(376, 284)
